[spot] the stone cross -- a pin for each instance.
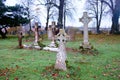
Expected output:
(85, 20)
(53, 28)
(61, 55)
(52, 44)
(53, 24)
(20, 36)
(36, 32)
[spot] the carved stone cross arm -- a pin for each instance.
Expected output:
(61, 36)
(85, 18)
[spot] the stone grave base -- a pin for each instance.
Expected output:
(52, 44)
(31, 47)
(34, 45)
(50, 49)
(86, 46)
(88, 49)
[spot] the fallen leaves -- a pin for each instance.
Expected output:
(56, 74)
(8, 71)
(112, 69)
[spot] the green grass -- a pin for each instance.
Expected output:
(34, 64)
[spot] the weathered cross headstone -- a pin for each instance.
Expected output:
(20, 40)
(52, 44)
(36, 33)
(85, 20)
(51, 30)
(20, 36)
(61, 55)
(35, 44)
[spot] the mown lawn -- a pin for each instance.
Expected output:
(24, 64)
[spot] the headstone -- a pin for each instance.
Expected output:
(61, 55)
(20, 36)
(53, 30)
(49, 31)
(20, 39)
(35, 44)
(36, 33)
(52, 44)
(71, 32)
(85, 20)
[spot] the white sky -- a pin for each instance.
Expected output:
(11, 2)
(80, 8)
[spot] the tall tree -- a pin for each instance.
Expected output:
(63, 10)
(60, 6)
(60, 17)
(27, 4)
(97, 9)
(68, 11)
(13, 16)
(16, 15)
(50, 9)
(114, 6)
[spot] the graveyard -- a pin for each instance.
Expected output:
(60, 55)
(38, 40)
(32, 64)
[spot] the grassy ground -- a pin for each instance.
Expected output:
(33, 64)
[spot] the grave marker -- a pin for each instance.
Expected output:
(61, 55)
(20, 36)
(36, 33)
(85, 20)
(52, 44)
(49, 32)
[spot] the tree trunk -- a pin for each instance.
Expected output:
(60, 17)
(64, 19)
(115, 18)
(115, 24)
(64, 24)
(3, 36)
(30, 30)
(48, 10)
(98, 16)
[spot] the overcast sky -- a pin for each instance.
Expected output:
(80, 8)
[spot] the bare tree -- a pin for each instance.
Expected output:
(59, 6)
(63, 10)
(27, 4)
(114, 6)
(97, 9)
(68, 11)
(48, 4)
(60, 15)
